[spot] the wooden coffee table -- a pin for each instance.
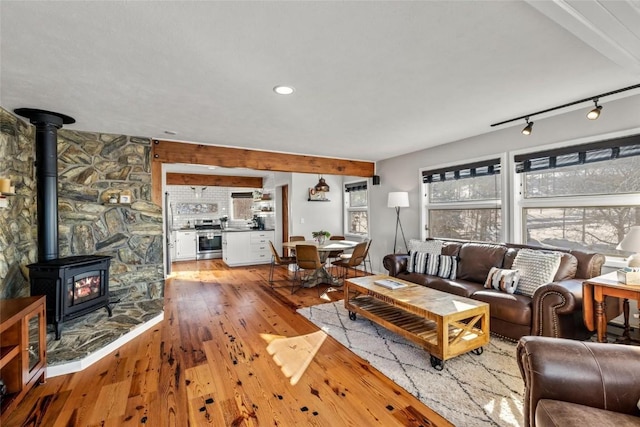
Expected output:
(445, 325)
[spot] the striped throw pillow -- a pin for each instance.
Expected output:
(444, 266)
(502, 280)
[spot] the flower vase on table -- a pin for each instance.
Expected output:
(321, 236)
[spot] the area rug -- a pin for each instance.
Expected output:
(471, 390)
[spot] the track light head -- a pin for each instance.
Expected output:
(528, 128)
(595, 113)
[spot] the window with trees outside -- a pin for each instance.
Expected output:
(356, 208)
(464, 201)
(241, 203)
(584, 197)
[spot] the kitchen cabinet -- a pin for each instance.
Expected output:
(246, 247)
(186, 245)
(23, 346)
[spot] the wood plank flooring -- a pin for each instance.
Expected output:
(207, 364)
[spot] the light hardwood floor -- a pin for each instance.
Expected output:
(207, 364)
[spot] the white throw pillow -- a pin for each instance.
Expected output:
(536, 267)
(429, 246)
(502, 280)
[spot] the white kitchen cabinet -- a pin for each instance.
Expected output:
(186, 245)
(246, 247)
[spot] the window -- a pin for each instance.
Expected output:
(464, 201)
(582, 197)
(356, 208)
(241, 205)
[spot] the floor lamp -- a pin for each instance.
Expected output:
(398, 199)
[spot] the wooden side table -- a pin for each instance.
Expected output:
(23, 356)
(596, 289)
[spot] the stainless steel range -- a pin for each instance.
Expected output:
(208, 239)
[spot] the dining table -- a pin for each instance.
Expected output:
(324, 248)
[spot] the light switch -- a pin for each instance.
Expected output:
(301, 220)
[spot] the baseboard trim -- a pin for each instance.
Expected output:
(79, 365)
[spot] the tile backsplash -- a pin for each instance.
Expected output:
(185, 195)
(212, 204)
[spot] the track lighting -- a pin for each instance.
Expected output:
(595, 113)
(528, 128)
(592, 115)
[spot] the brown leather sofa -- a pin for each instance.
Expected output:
(572, 383)
(555, 309)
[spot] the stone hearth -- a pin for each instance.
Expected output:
(91, 166)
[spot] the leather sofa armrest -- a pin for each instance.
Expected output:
(598, 375)
(551, 301)
(395, 263)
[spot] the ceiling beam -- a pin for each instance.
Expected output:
(214, 180)
(181, 152)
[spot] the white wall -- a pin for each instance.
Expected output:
(316, 215)
(402, 173)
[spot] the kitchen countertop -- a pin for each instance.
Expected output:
(237, 230)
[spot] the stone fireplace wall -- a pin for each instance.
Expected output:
(91, 167)
(18, 246)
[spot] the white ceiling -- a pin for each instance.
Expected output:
(373, 79)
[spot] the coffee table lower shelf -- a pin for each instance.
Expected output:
(461, 335)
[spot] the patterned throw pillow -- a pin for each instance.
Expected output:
(422, 262)
(444, 266)
(448, 267)
(502, 280)
(536, 267)
(430, 246)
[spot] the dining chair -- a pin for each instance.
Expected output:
(367, 258)
(277, 260)
(333, 255)
(292, 252)
(356, 258)
(308, 262)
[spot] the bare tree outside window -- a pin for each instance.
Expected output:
(599, 227)
(242, 209)
(356, 209)
(468, 208)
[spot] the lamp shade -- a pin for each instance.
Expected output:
(631, 243)
(322, 185)
(398, 199)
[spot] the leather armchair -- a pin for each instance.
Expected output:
(576, 383)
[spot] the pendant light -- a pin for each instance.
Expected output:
(321, 185)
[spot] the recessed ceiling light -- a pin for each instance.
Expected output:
(283, 90)
(170, 132)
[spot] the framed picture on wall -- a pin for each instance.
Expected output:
(315, 195)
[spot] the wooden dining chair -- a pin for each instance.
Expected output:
(309, 264)
(367, 258)
(277, 260)
(292, 252)
(355, 260)
(333, 255)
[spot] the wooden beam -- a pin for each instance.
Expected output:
(180, 152)
(214, 180)
(156, 183)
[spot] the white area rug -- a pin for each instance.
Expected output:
(471, 390)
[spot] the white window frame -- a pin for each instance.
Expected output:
(347, 209)
(520, 203)
(502, 203)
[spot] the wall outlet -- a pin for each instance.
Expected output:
(301, 220)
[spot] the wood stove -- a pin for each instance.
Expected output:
(73, 286)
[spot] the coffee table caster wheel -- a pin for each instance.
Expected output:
(437, 364)
(352, 315)
(477, 351)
